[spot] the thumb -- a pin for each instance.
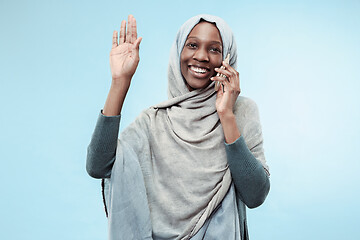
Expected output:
(137, 43)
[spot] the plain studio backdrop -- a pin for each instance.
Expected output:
(299, 60)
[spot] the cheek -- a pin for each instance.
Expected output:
(184, 56)
(219, 61)
(183, 63)
(182, 66)
(216, 62)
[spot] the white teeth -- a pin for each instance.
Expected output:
(198, 70)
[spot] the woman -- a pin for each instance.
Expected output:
(185, 168)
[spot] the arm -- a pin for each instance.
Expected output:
(246, 155)
(102, 148)
(124, 59)
(240, 122)
(249, 176)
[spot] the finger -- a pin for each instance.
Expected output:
(219, 78)
(137, 43)
(226, 86)
(229, 67)
(134, 30)
(128, 32)
(223, 88)
(217, 86)
(223, 81)
(122, 31)
(220, 91)
(115, 39)
(219, 74)
(226, 72)
(235, 74)
(130, 28)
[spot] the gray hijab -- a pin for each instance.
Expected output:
(176, 86)
(171, 169)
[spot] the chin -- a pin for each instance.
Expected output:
(192, 86)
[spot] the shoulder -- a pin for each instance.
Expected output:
(141, 122)
(245, 107)
(145, 115)
(247, 117)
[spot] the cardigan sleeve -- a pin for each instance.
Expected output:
(246, 157)
(249, 176)
(101, 152)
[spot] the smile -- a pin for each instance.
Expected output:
(199, 71)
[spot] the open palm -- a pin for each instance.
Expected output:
(124, 54)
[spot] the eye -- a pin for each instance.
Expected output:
(215, 49)
(191, 45)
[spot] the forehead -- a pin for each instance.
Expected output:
(205, 31)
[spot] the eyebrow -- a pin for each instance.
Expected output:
(210, 41)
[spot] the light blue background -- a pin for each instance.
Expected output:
(299, 60)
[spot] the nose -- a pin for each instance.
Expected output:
(201, 55)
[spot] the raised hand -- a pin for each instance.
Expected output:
(124, 54)
(124, 59)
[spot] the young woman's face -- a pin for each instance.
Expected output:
(202, 52)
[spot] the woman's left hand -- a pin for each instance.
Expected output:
(229, 89)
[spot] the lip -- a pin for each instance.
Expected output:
(200, 75)
(199, 66)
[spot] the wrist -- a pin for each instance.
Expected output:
(120, 83)
(229, 125)
(226, 115)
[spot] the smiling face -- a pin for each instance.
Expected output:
(202, 53)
